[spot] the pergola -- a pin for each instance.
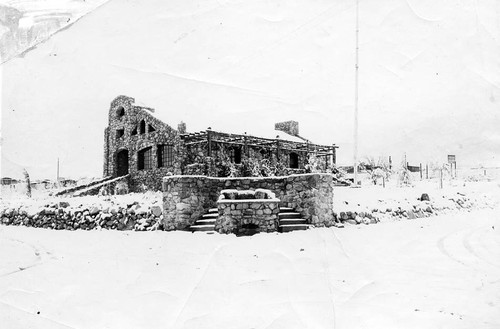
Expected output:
(211, 138)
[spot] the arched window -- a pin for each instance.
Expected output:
(142, 127)
(120, 111)
(144, 159)
(294, 160)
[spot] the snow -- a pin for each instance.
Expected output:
(426, 273)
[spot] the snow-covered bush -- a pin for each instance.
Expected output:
(313, 164)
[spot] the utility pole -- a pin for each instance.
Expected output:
(356, 99)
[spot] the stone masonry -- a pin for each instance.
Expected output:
(186, 198)
(258, 213)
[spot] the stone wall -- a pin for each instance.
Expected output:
(186, 198)
(247, 212)
(124, 136)
(59, 215)
(244, 216)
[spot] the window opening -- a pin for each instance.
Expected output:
(235, 155)
(120, 133)
(144, 159)
(120, 112)
(165, 155)
(294, 160)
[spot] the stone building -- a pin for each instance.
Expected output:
(138, 144)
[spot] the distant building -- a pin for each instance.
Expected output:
(138, 143)
(8, 181)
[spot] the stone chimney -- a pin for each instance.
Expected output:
(181, 128)
(290, 127)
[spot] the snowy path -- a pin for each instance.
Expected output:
(425, 273)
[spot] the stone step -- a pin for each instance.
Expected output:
(286, 209)
(205, 221)
(213, 211)
(293, 227)
(197, 228)
(210, 215)
(290, 221)
(288, 215)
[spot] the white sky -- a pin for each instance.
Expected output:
(429, 77)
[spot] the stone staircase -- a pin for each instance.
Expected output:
(290, 220)
(206, 223)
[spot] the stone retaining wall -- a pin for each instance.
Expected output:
(61, 216)
(186, 198)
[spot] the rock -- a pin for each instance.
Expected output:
(63, 204)
(140, 211)
(156, 210)
(94, 211)
(49, 211)
(182, 206)
(424, 197)
(351, 221)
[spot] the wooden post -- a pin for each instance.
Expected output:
(334, 155)
(420, 171)
(441, 178)
(383, 182)
(246, 144)
(209, 141)
(277, 149)
(426, 171)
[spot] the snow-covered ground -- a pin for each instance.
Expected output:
(436, 272)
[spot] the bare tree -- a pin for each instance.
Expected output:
(28, 183)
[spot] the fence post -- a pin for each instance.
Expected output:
(420, 171)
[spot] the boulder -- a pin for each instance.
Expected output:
(94, 211)
(63, 204)
(156, 210)
(424, 197)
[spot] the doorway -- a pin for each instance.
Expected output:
(122, 163)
